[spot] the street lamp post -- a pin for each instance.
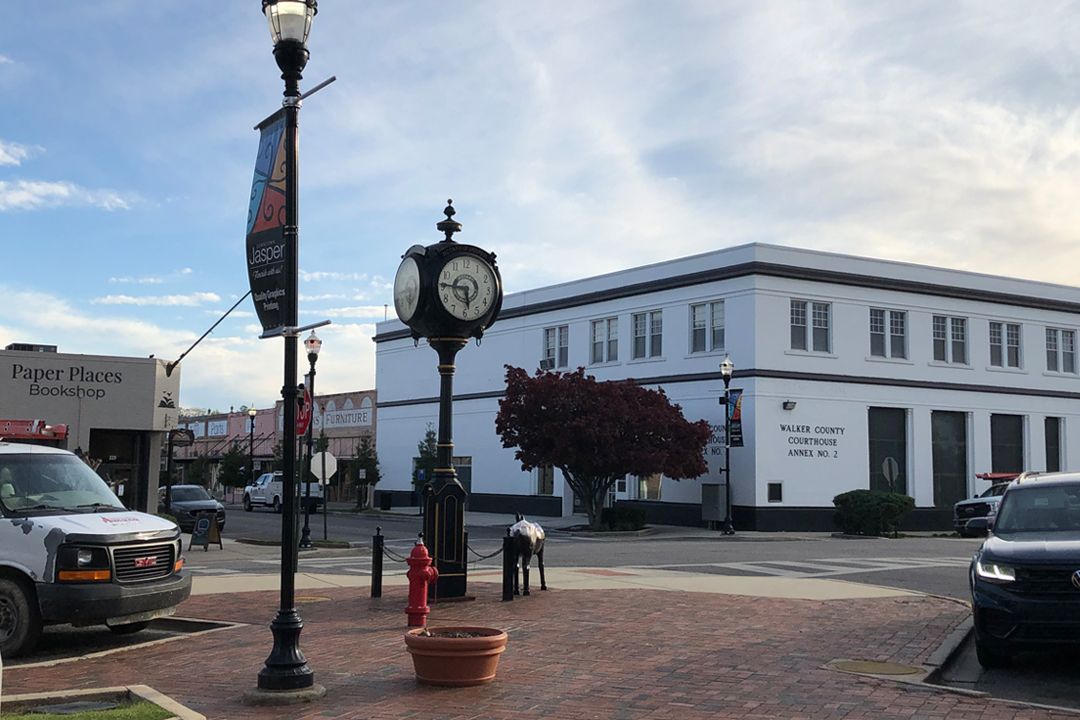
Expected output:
(252, 412)
(286, 668)
(726, 369)
(313, 345)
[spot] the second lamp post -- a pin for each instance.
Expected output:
(726, 369)
(313, 345)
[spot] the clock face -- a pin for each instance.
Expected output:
(407, 289)
(467, 287)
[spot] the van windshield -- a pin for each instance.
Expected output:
(32, 483)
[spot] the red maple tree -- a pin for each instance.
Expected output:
(597, 432)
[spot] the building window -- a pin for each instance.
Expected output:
(648, 334)
(950, 339)
(816, 337)
(1053, 444)
(545, 480)
(1060, 350)
(888, 333)
(1004, 344)
(605, 340)
(1006, 443)
(649, 487)
(556, 347)
(776, 492)
(707, 327)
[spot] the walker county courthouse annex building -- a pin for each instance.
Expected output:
(117, 410)
(854, 371)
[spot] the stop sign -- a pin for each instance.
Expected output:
(323, 466)
(303, 414)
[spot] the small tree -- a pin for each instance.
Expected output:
(279, 453)
(232, 469)
(368, 461)
(427, 456)
(198, 472)
(597, 432)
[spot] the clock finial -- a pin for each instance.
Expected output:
(449, 225)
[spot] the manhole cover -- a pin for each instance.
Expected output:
(871, 667)
(311, 599)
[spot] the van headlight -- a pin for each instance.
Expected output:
(83, 564)
(995, 572)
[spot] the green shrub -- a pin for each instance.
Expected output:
(622, 517)
(871, 512)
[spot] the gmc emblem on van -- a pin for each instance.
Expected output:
(146, 562)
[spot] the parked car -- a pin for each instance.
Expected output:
(1025, 579)
(267, 491)
(70, 552)
(188, 502)
(983, 504)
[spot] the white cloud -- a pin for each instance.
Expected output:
(5, 60)
(13, 153)
(330, 275)
(37, 195)
(148, 280)
(361, 311)
(189, 300)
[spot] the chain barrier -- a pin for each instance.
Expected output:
(393, 555)
(480, 557)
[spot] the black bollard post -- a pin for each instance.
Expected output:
(509, 569)
(376, 563)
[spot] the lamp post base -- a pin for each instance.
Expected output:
(305, 539)
(286, 668)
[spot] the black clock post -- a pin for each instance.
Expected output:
(447, 293)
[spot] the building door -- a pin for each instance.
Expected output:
(1053, 444)
(948, 431)
(120, 452)
(1007, 443)
(888, 449)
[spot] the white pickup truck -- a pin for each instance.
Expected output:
(267, 491)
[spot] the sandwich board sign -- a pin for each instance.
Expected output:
(205, 532)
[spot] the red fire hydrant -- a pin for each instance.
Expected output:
(421, 572)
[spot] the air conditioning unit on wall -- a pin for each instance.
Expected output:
(547, 364)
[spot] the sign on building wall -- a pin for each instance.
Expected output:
(216, 428)
(198, 429)
(347, 416)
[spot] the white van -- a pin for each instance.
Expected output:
(71, 553)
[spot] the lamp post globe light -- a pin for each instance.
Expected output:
(286, 668)
(727, 368)
(313, 345)
(252, 412)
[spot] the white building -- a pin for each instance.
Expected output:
(844, 362)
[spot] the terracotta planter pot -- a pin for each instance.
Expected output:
(455, 661)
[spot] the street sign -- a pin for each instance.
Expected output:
(182, 437)
(303, 414)
(361, 474)
(323, 466)
(890, 469)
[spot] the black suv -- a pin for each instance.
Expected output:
(1025, 579)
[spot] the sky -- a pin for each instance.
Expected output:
(575, 139)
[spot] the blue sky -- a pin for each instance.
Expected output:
(574, 140)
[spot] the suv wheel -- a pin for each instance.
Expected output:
(20, 623)
(247, 503)
(991, 658)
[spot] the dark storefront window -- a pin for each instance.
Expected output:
(1053, 444)
(1006, 443)
(888, 449)
(948, 436)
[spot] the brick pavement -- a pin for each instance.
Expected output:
(572, 654)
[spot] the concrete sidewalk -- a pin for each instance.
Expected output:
(602, 643)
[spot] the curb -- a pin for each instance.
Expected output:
(948, 650)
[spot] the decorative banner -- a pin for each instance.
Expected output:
(735, 415)
(268, 256)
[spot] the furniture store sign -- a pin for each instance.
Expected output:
(71, 381)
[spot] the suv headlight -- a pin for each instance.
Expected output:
(995, 572)
(83, 564)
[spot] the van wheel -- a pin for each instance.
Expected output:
(277, 504)
(20, 621)
(247, 503)
(129, 629)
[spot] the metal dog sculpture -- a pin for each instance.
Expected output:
(528, 541)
